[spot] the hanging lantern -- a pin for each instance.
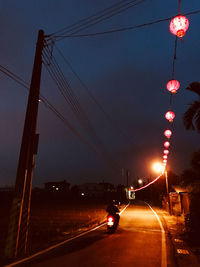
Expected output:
(168, 133)
(166, 144)
(166, 151)
(179, 25)
(170, 116)
(165, 157)
(164, 161)
(173, 86)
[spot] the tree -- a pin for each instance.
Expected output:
(195, 162)
(191, 117)
(188, 177)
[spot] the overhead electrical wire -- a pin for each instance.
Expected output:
(95, 19)
(122, 29)
(52, 108)
(85, 87)
(66, 91)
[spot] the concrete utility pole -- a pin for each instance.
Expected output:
(167, 190)
(19, 217)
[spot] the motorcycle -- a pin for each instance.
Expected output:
(112, 222)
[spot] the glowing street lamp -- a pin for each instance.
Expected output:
(157, 167)
(140, 181)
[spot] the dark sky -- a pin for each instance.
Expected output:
(126, 72)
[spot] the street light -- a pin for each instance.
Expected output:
(158, 167)
(140, 181)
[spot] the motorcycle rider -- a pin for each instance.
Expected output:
(113, 210)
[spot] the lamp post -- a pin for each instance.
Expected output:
(167, 190)
(158, 167)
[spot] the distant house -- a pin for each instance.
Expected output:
(60, 187)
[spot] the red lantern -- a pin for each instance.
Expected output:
(165, 157)
(166, 144)
(168, 133)
(164, 161)
(166, 151)
(179, 25)
(173, 86)
(170, 116)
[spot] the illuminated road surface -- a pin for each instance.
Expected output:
(138, 241)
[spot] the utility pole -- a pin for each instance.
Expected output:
(19, 217)
(167, 190)
(127, 177)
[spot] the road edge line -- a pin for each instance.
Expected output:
(164, 248)
(39, 253)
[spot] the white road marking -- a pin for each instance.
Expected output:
(164, 248)
(58, 244)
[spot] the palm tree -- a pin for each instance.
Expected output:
(191, 117)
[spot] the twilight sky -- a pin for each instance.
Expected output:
(126, 72)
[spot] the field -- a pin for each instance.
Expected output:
(53, 221)
(56, 222)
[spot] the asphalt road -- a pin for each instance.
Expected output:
(140, 240)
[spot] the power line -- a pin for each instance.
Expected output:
(94, 19)
(66, 91)
(53, 109)
(85, 87)
(89, 18)
(122, 29)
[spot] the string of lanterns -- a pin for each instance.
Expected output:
(178, 27)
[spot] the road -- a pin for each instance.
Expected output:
(140, 240)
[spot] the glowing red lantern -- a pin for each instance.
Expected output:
(164, 161)
(166, 151)
(165, 157)
(168, 133)
(173, 86)
(170, 116)
(179, 25)
(166, 144)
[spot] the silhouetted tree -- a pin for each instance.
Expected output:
(188, 176)
(192, 115)
(195, 162)
(173, 179)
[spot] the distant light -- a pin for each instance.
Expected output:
(57, 188)
(53, 186)
(82, 194)
(140, 181)
(131, 187)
